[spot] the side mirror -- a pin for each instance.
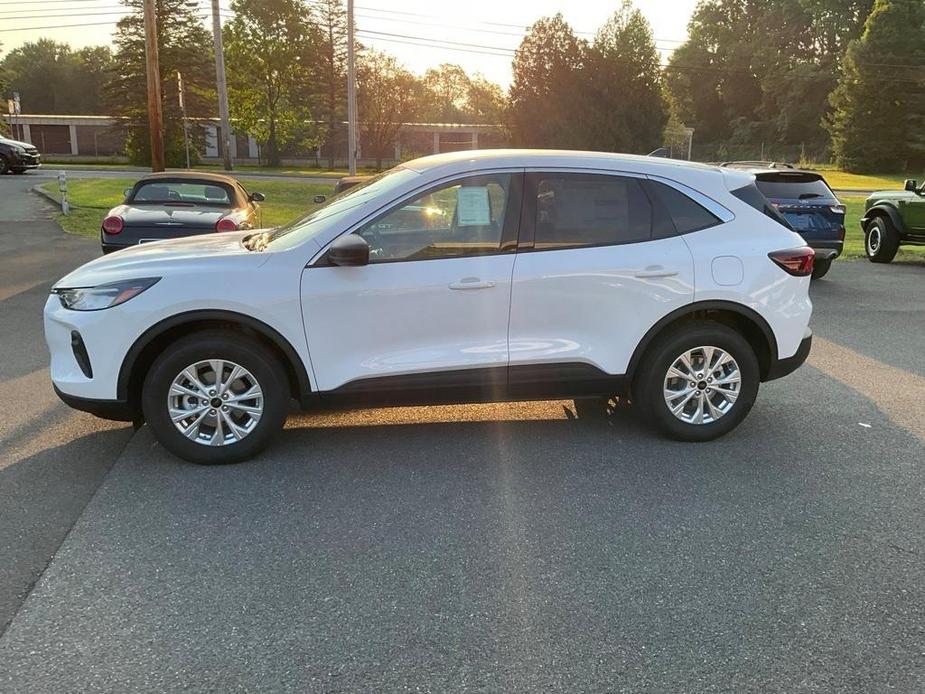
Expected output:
(912, 185)
(256, 197)
(349, 250)
(320, 199)
(127, 192)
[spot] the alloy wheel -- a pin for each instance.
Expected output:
(215, 402)
(702, 385)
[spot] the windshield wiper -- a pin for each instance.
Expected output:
(807, 196)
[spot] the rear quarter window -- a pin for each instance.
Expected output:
(753, 197)
(676, 213)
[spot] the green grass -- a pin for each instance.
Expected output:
(842, 180)
(91, 198)
(119, 164)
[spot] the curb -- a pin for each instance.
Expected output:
(37, 189)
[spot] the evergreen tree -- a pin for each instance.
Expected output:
(184, 45)
(878, 123)
(624, 110)
(543, 96)
(331, 70)
(270, 50)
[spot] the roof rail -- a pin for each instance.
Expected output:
(766, 164)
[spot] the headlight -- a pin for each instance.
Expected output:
(103, 295)
(21, 150)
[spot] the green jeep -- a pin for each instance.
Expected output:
(893, 218)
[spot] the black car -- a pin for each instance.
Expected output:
(173, 204)
(805, 200)
(18, 157)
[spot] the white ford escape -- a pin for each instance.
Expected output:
(473, 276)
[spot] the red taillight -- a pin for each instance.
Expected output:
(841, 234)
(226, 224)
(797, 262)
(113, 225)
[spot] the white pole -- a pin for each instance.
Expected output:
(351, 94)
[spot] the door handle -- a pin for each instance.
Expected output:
(655, 271)
(472, 283)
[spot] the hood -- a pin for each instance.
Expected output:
(891, 195)
(169, 215)
(6, 141)
(163, 257)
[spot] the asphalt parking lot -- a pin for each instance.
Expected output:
(481, 548)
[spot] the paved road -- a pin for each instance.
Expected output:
(51, 459)
(514, 548)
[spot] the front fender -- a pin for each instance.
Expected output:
(886, 209)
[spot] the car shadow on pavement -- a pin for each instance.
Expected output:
(42, 495)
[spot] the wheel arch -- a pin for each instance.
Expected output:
(885, 210)
(151, 343)
(748, 322)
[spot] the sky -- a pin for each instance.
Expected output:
(480, 35)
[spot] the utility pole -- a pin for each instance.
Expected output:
(152, 68)
(222, 86)
(351, 93)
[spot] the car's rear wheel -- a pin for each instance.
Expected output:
(4, 165)
(881, 240)
(698, 381)
(215, 397)
(820, 268)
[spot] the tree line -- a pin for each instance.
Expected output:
(846, 76)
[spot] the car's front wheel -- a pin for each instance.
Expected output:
(881, 240)
(215, 397)
(698, 381)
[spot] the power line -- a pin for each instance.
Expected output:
(78, 14)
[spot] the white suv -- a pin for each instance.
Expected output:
(473, 276)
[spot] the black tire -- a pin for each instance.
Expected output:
(216, 344)
(648, 386)
(4, 165)
(881, 240)
(18, 172)
(820, 268)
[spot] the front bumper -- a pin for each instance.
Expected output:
(25, 161)
(118, 410)
(786, 366)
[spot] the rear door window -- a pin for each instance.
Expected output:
(582, 210)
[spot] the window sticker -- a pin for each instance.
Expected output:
(473, 206)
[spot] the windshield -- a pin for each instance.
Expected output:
(303, 228)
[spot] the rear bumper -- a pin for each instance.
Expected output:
(827, 250)
(786, 366)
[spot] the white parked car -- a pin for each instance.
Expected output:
(472, 276)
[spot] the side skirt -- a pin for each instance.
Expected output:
(499, 384)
